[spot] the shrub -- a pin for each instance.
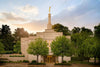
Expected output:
(7, 52)
(64, 62)
(3, 61)
(16, 56)
(25, 61)
(34, 61)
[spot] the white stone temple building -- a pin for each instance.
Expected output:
(49, 35)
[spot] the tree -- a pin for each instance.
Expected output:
(76, 30)
(20, 32)
(95, 51)
(17, 47)
(60, 28)
(60, 46)
(97, 31)
(1, 48)
(38, 47)
(97, 38)
(6, 38)
(77, 40)
(88, 47)
(83, 29)
(5, 30)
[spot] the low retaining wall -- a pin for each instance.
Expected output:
(7, 56)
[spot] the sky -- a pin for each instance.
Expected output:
(32, 15)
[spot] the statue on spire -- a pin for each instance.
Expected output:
(49, 25)
(49, 9)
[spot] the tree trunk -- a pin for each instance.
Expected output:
(57, 59)
(62, 58)
(88, 59)
(94, 59)
(37, 58)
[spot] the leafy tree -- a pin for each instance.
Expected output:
(60, 28)
(77, 40)
(88, 47)
(97, 36)
(1, 48)
(97, 31)
(60, 46)
(17, 47)
(83, 29)
(20, 32)
(76, 30)
(38, 47)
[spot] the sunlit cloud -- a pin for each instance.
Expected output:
(28, 9)
(12, 16)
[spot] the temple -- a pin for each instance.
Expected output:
(49, 35)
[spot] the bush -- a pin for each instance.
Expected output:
(7, 52)
(64, 62)
(16, 56)
(25, 61)
(20, 52)
(3, 61)
(34, 61)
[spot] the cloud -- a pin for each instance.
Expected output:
(10, 17)
(29, 9)
(33, 26)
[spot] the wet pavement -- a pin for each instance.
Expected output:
(47, 65)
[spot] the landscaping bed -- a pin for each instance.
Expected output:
(35, 63)
(63, 64)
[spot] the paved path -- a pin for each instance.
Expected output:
(47, 65)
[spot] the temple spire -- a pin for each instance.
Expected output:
(49, 25)
(49, 9)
